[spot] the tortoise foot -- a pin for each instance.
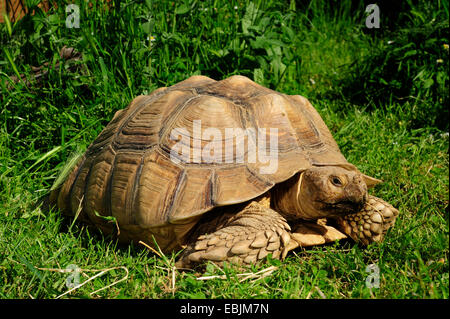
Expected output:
(371, 223)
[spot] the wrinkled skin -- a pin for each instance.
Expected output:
(331, 192)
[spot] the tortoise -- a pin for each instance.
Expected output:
(229, 171)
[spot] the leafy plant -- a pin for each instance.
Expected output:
(410, 65)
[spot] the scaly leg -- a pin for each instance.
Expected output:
(251, 234)
(371, 223)
(247, 236)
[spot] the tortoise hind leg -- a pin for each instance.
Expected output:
(246, 237)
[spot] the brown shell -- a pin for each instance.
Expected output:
(127, 172)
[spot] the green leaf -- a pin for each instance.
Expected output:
(67, 168)
(409, 53)
(107, 218)
(103, 68)
(289, 33)
(258, 76)
(46, 155)
(419, 15)
(182, 9)
(264, 42)
(249, 17)
(428, 83)
(220, 53)
(91, 41)
(419, 75)
(11, 61)
(31, 267)
(8, 23)
(147, 27)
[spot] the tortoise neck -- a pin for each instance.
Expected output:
(285, 198)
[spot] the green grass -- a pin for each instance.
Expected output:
(395, 130)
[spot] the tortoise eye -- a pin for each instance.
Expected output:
(336, 181)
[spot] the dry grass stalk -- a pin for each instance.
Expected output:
(249, 275)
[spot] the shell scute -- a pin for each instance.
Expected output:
(132, 172)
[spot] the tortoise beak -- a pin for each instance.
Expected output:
(343, 207)
(356, 193)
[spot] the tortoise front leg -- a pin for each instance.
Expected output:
(371, 223)
(248, 236)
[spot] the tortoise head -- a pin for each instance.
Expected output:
(324, 191)
(331, 191)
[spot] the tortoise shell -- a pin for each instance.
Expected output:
(132, 172)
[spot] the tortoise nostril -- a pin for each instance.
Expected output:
(357, 192)
(358, 180)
